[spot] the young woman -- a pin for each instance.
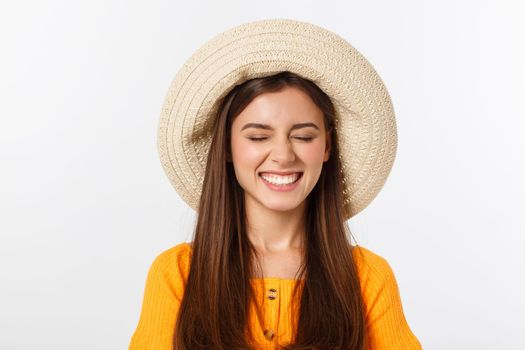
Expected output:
(271, 264)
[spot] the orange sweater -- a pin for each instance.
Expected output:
(386, 324)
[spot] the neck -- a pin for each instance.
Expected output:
(274, 231)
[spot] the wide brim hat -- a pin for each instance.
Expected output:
(364, 119)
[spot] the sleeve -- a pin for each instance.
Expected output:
(162, 297)
(387, 328)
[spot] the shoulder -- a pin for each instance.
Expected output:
(169, 269)
(163, 294)
(175, 258)
(177, 253)
(369, 262)
(387, 327)
(376, 275)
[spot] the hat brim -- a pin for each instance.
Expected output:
(365, 118)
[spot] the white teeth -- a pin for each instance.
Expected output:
(280, 180)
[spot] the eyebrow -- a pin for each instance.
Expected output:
(268, 127)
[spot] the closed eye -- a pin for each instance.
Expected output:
(307, 139)
(256, 139)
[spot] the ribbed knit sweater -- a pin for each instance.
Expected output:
(387, 328)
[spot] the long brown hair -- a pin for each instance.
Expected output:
(214, 310)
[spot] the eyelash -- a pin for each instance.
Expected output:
(258, 139)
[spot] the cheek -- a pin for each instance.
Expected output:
(314, 154)
(245, 154)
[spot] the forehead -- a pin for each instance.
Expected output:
(287, 106)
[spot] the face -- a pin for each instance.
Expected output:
(278, 146)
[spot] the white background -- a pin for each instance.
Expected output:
(85, 205)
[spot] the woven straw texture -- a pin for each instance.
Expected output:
(365, 118)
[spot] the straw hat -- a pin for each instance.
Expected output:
(365, 119)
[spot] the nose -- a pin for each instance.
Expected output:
(282, 151)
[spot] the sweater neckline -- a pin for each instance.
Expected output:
(276, 279)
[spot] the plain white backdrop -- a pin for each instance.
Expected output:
(85, 206)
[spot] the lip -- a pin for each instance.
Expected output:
(285, 188)
(282, 173)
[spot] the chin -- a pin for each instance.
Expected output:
(281, 206)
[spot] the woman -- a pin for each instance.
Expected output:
(271, 264)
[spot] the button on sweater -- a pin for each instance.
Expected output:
(387, 328)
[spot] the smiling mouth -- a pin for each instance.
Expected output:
(280, 180)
